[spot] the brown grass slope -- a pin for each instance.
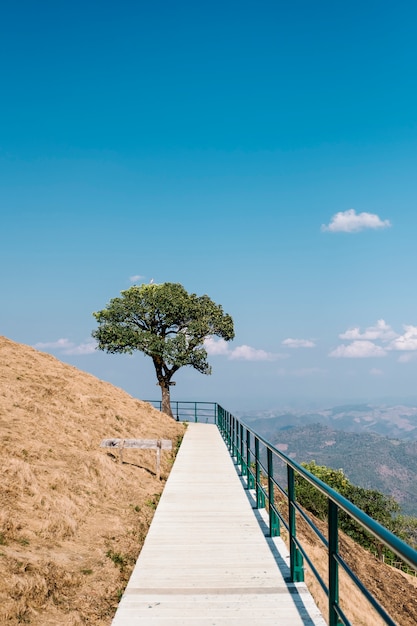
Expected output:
(72, 518)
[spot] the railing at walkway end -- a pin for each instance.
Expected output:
(205, 412)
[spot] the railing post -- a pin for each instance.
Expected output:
(333, 564)
(260, 498)
(228, 428)
(241, 461)
(296, 558)
(237, 440)
(237, 446)
(274, 525)
(250, 482)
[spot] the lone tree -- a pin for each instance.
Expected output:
(166, 323)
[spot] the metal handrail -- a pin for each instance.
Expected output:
(188, 411)
(244, 445)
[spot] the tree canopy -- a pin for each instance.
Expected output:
(166, 323)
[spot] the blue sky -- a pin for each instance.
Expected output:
(262, 153)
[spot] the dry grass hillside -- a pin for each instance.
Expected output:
(72, 518)
(395, 590)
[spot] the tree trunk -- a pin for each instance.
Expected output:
(166, 399)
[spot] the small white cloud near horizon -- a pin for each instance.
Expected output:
(66, 346)
(59, 344)
(298, 343)
(358, 350)
(381, 330)
(217, 347)
(83, 348)
(135, 278)
(351, 222)
(247, 353)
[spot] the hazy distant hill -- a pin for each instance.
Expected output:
(375, 446)
(396, 422)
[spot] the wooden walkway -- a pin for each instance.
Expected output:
(207, 559)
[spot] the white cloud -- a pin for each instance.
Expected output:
(298, 343)
(381, 330)
(216, 346)
(59, 344)
(83, 348)
(352, 222)
(67, 347)
(358, 350)
(136, 278)
(407, 341)
(363, 343)
(246, 353)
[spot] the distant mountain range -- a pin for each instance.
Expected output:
(376, 446)
(396, 422)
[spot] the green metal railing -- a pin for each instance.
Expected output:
(250, 451)
(273, 477)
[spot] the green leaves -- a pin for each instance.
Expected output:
(164, 322)
(381, 508)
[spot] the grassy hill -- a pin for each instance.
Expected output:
(72, 518)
